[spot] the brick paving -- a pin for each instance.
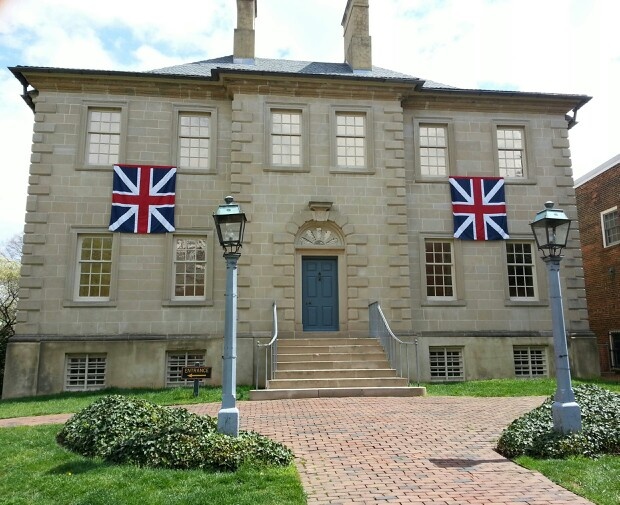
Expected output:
(421, 450)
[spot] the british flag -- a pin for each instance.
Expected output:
(479, 208)
(143, 199)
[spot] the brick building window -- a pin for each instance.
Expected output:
(176, 360)
(194, 140)
(530, 361)
(439, 267)
(614, 349)
(103, 136)
(610, 225)
(511, 151)
(433, 141)
(521, 271)
(446, 363)
(85, 372)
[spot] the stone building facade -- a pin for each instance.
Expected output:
(339, 167)
(598, 205)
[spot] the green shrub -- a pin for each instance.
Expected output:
(129, 430)
(533, 434)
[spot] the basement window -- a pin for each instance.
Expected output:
(175, 361)
(85, 372)
(446, 364)
(530, 361)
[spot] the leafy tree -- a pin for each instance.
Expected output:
(10, 255)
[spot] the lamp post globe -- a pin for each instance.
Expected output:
(550, 228)
(230, 226)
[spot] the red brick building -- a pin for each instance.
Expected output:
(598, 206)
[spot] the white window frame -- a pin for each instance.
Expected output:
(72, 296)
(606, 242)
(446, 364)
(530, 361)
(290, 153)
(83, 263)
(284, 107)
(179, 110)
(88, 108)
(178, 262)
(174, 366)
(424, 149)
(85, 372)
(368, 134)
(451, 265)
(532, 271)
(527, 153)
(169, 293)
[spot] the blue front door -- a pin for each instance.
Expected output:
(319, 293)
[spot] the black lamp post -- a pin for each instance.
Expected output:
(230, 225)
(550, 228)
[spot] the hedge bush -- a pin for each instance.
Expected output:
(533, 434)
(134, 431)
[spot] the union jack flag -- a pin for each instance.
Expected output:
(479, 208)
(143, 199)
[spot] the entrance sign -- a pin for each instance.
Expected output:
(196, 372)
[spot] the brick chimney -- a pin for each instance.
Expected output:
(357, 47)
(243, 51)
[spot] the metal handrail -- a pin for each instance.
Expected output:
(380, 329)
(272, 345)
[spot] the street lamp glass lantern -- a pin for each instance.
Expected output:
(230, 225)
(550, 228)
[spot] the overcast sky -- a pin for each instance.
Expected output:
(556, 46)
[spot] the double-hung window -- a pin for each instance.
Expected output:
(103, 138)
(93, 280)
(439, 269)
(610, 225)
(286, 138)
(511, 151)
(433, 150)
(194, 140)
(521, 271)
(351, 140)
(190, 268)
(446, 363)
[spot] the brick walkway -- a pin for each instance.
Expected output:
(425, 451)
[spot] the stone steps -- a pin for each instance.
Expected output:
(322, 366)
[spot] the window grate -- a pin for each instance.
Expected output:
(446, 364)
(175, 361)
(530, 361)
(85, 372)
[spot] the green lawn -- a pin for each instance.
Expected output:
(64, 403)
(594, 479)
(507, 387)
(36, 470)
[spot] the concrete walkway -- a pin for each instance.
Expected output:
(421, 450)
